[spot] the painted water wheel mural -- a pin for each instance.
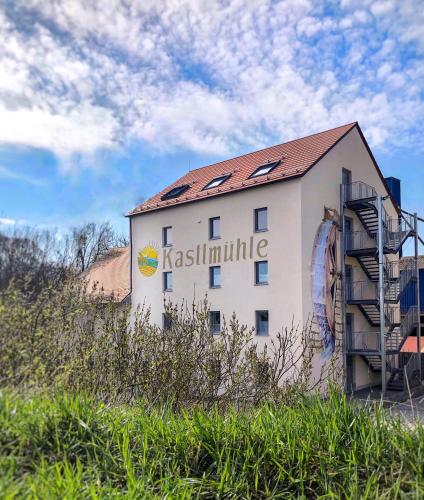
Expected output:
(324, 277)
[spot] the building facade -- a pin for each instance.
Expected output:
(266, 236)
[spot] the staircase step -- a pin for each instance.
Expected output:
(396, 387)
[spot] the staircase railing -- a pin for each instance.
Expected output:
(392, 315)
(399, 328)
(394, 235)
(411, 367)
(407, 273)
(366, 290)
(409, 321)
(392, 268)
(358, 191)
(359, 240)
(396, 230)
(363, 240)
(370, 342)
(397, 280)
(393, 341)
(364, 342)
(362, 291)
(392, 291)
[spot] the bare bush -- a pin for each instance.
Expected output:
(31, 257)
(36, 258)
(77, 341)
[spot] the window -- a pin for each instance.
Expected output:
(166, 321)
(261, 272)
(175, 192)
(167, 281)
(265, 169)
(214, 228)
(262, 322)
(215, 321)
(217, 181)
(215, 276)
(167, 236)
(261, 219)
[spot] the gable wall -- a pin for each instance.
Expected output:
(321, 186)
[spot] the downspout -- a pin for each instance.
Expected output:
(343, 291)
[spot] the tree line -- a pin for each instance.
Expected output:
(39, 258)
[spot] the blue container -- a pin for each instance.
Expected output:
(394, 187)
(409, 295)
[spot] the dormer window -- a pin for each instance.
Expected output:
(217, 181)
(175, 192)
(265, 169)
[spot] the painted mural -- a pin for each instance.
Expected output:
(324, 279)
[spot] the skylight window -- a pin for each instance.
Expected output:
(217, 181)
(175, 192)
(265, 169)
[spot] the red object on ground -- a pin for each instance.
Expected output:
(411, 345)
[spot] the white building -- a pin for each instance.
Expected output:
(261, 236)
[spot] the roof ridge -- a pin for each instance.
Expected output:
(352, 124)
(300, 156)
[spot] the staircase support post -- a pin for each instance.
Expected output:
(345, 340)
(417, 270)
(381, 294)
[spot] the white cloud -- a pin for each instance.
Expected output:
(310, 26)
(346, 23)
(83, 129)
(381, 8)
(205, 75)
(401, 19)
(361, 16)
(7, 222)
(6, 173)
(384, 70)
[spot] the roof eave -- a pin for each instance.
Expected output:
(235, 190)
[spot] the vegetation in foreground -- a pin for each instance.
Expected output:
(74, 447)
(66, 338)
(181, 436)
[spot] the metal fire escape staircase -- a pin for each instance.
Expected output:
(378, 297)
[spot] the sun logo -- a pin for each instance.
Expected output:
(148, 260)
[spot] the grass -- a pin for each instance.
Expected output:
(73, 447)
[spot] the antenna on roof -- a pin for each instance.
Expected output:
(189, 165)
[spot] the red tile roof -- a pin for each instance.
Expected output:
(411, 345)
(297, 157)
(110, 276)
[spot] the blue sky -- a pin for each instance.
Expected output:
(104, 103)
